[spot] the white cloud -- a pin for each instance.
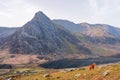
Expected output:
(18, 12)
(105, 11)
(15, 12)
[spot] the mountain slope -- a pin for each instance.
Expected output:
(101, 33)
(42, 36)
(69, 25)
(94, 32)
(89, 29)
(101, 39)
(5, 31)
(100, 30)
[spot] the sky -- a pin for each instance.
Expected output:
(15, 13)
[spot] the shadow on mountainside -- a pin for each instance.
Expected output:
(73, 63)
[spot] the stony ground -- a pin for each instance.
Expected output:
(101, 72)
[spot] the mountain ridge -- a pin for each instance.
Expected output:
(47, 39)
(6, 31)
(42, 36)
(91, 30)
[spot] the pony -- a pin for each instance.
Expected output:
(92, 66)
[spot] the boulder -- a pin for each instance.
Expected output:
(46, 75)
(106, 72)
(9, 79)
(77, 75)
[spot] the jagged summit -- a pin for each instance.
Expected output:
(40, 14)
(40, 17)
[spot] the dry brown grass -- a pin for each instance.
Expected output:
(85, 74)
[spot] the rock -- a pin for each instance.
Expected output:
(9, 79)
(64, 71)
(106, 73)
(81, 68)
(46, 75)
(73, 69)
(17, 72)
(77, 75)
(68, 70)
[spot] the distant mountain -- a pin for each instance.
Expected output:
(69, 25)
(94, 32)
(42, 36)
(99, 30)
(5, 31)
(101, 39)
(89, 29)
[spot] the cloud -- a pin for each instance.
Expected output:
(15, 12)
(18, 12)
(105, 11)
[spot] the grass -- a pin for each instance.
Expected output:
(85, 74)
(73, 48)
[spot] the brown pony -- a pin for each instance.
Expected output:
(92, 66)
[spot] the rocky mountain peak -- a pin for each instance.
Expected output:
(41, 17)
(42, 36)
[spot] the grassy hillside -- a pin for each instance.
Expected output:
(101, 72)
(96, 47)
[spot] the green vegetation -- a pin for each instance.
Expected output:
(81, 37)
(73, 48)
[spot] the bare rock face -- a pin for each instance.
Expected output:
(42, 36)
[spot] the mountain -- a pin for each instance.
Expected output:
(95, 32)
(44, 39)
(42, 36)
(89, 29)
(5, 31)
(69, 25)
(101, 39)
(105, 30)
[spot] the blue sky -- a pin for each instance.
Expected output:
(17, 12)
